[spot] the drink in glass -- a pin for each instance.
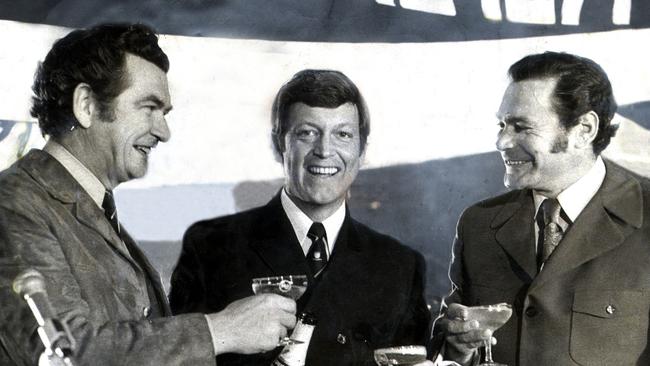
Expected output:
(403, 355)
(291, 286)
(491, 317)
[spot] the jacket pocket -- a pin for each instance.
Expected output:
(609, 327)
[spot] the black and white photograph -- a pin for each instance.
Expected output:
(325, 182)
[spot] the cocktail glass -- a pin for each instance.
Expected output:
(291, 286)
(401, 356)
(491, 317)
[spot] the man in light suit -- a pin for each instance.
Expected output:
(101, 96)
(365, 288)
(569, 246)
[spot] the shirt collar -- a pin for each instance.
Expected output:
(301, 222)
(86, 179)
(576, 197)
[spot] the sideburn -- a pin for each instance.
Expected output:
(560, 144)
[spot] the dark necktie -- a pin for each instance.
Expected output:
(317, 254)
(110, 211)
(552, 231)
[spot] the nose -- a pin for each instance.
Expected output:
(505, 139)
(160, 129)
(323, 147)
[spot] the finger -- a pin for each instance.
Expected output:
(282, 332)
(465, 345)
(288, 305)
(471, 337)
(459, 326)
(457, 311)
(283, 303)
(287, 320)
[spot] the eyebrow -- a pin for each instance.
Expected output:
(513, 119)
(316, 126)
(155, 99)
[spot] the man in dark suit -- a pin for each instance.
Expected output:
(365, 288)
(568, 247)
(101, 96)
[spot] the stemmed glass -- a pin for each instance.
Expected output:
(400, 356)
(491, 317)
(291, 286)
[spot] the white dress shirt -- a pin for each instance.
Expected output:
(301, 224)
(86, 179)
(576, 197)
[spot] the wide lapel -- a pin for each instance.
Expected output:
(93, 217)
(274, 240)
(595, 231)
(62, 186)
(348, 243)
(152, 276)
(343, 266)
(515, 230)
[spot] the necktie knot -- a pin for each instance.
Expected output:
(316, 231)
(110, 211)
(109, 204)
(551, 209)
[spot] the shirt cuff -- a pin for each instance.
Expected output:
(213, 333)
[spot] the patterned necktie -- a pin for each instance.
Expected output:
(553, 232)
(110, 211)
(317, 254)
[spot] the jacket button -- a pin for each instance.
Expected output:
(146, 311)
(531, 312)
(341, 338)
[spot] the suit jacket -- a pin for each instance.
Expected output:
(590, 303)
(370, 295)
(110, 297)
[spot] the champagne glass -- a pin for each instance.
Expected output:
(291, 286)
(491, 317)
(401, 356)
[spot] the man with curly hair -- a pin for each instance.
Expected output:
(101, 96)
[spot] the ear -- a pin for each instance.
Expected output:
(586, 129)
(362, 153)
(277, 144)
(83, 104)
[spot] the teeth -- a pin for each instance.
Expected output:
(323, 170)
(145, 149)
(516, 162)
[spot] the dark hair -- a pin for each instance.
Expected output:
(582, 86)
(317, 88)
(94, 56)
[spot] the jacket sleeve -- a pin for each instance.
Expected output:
(28, 240)
(414, 326)
(187, 293)
(456, 278)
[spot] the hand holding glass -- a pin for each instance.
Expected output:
(291, 286)
(491, 317)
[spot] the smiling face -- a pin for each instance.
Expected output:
(123, 144)
(537, 151)
(322, 153)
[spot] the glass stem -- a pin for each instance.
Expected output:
(488, 350)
